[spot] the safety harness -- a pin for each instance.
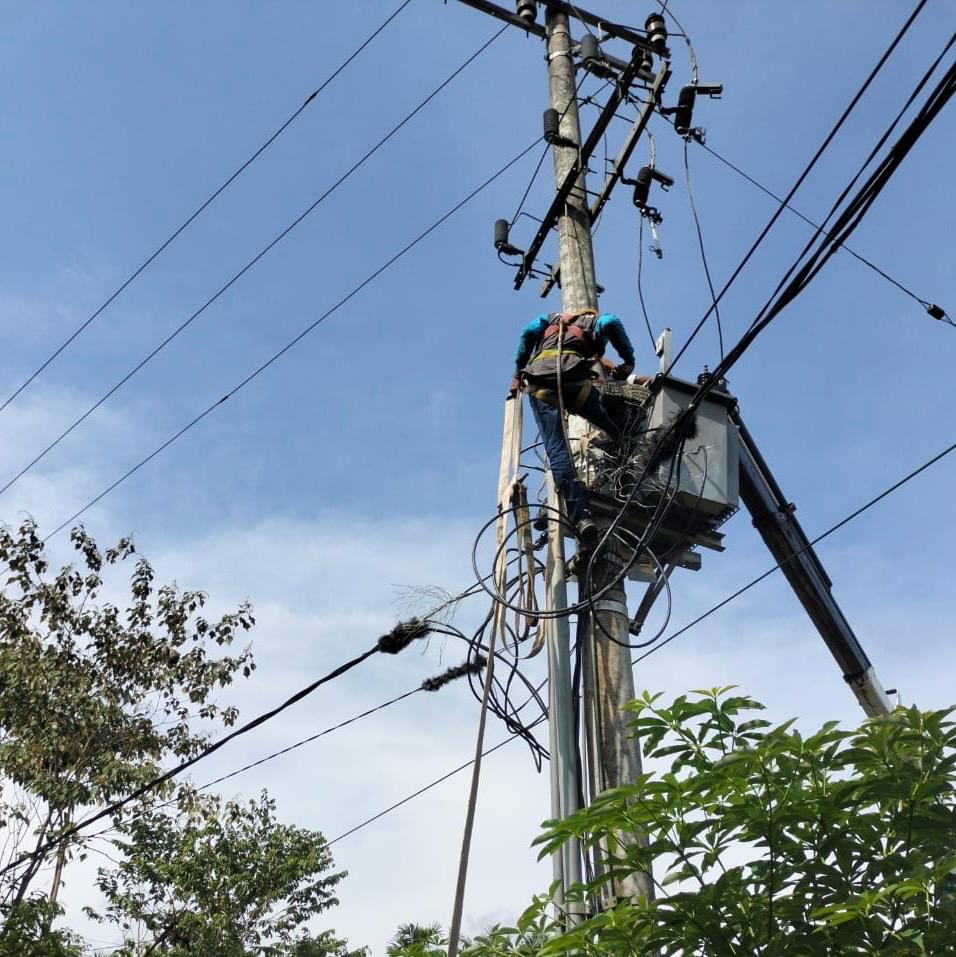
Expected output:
(568, 341)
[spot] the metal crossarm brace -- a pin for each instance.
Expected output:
(501, 14)
(774, 519)
(578, 166)
(620, 161)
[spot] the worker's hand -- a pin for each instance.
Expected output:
(622, 371)
(513, 388)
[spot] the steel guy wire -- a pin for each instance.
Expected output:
(252, 262)
(298, 338)
(206, 203)
(806, 172)
(833, 528)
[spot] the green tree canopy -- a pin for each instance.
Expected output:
(94, 698)
(763, 842)
(232, 882)
(766, 842)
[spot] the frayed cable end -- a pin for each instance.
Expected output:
(402, 635)
(459, 671)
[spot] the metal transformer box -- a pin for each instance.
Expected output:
(699, 492)
(709, 466)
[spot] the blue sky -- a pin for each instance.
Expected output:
(367, 456)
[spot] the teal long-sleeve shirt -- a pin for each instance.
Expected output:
(608, 328)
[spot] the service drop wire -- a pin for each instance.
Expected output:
(252, 262)
(206, 203)
(298, 338)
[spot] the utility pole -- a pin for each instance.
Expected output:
(614, 756)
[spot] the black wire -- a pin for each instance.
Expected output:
(844, 224)
(161, 779)
(235, 278)
(819, 538)
(806, 172)
(270, 757)
(866, 262)
(310, 739)
(420, 791)
(703, 254)
(139, 270)
(293, 342)
(640, 289)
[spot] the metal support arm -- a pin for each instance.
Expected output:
(774, 519)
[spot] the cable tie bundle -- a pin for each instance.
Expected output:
(402, 635)
(458, 671)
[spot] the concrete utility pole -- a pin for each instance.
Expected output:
(614, 756)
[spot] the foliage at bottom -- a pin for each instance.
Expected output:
(762, 842)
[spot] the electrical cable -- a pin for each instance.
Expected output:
(392, 643)
(310, 739)
(640, 289)
(807, 170)
(833, 528)
(207, 202)
(270, 757)
(925, 303)
(703, 254)
(294, 341)
(844, 224)
(419, 792)
(263, 252)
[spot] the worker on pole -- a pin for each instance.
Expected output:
(554, 365)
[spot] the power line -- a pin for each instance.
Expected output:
(806, 172)
(703, 253)
(833, 528)
(669, 639)
(421, 791)
(293, 342)
(848, 220)
(235, 278)
(207, 202)
(310, 739)
(925, 303)
(399, 638)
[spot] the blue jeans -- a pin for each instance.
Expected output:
(548, 417)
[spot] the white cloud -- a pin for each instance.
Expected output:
(324, 589)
